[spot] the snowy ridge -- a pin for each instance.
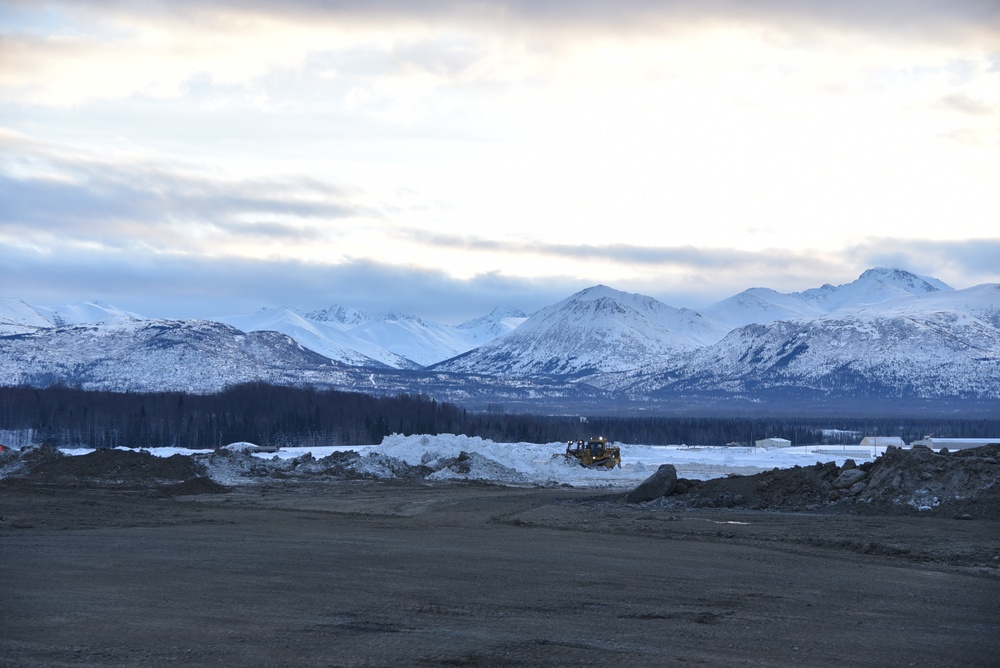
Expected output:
(394, 340)
(16, 317)
(887, 334)
(320, 337)
(933, 344)
(413, 338)
(597, 329)
(502, 320)
(763, 305)
(191, 356)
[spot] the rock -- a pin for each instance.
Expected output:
(849, 465)
(857, 488)
(848, 478)
(662, 483)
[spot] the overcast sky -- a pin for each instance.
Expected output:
(212, 157)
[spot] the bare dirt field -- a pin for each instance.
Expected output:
(391, 573)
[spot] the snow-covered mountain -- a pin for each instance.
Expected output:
(340, 316)
(597, 329)
(396, 340)
(763, 305)
(16, 317)
(156, 355)
(934, 343)
(415, 339)
(501, 320)
(345, 335)
(323, 337)
(887, 334)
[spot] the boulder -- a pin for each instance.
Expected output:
(661, 483)
(857, 488)
(848, 478)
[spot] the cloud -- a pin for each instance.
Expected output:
(182, 285)
(113, 50)
(961, 263)
(966, 105)
(685, 257)
(885, 15)
(571, 142)
(185, 286)
(45, 194)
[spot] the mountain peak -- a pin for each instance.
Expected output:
(340, 315)
(496, 316)
(872, 287)
(908, 281)
(599, 291)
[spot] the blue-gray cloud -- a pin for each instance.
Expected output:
(123, 204)
(940, 19)
(974, 260)
(680, 256)
(183, 285)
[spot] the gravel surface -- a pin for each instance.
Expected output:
(185, 571)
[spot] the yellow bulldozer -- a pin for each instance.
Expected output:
(595, 453)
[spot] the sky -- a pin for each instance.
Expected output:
(441, 158)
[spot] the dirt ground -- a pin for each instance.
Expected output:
(393, 573)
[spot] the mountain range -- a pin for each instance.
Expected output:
(890, 336)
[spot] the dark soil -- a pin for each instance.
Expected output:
(102, 468)
(964, 483)
(408, 573)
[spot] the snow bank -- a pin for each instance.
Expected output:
(457, 457)
(534, 464)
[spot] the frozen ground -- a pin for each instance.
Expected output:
(534, 464)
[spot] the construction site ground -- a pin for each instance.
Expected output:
(414, 572)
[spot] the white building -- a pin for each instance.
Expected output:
(936, 443)
(883, 442)
(773, 443)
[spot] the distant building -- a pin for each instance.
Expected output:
(773, 443)
(883, 441)
(936, 443)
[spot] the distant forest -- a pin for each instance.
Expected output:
(288, 416)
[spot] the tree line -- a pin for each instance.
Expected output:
(295, 416)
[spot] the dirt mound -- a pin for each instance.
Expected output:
(238, 468)
(199, 485)
(962, 484)
(105, 467)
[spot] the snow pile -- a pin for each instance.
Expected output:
(451, 456)
(458, 457)
(240, 446)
